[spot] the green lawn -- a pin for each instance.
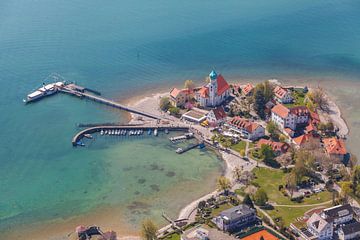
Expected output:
(255, 154)
(239, 146)
(299, 98)
(215, 212)
(289, 215)
(174, 236)
(270, 179)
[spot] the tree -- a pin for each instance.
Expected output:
(271, 127)
(242, 152)
(259, 103)
(282, 138)
(223, 184)
(291, 183)
(346, 189)
(189, 84)
(268, 91)
(260, 197)
(165, 103)
(247, 201)
(262, 238)
(237, 173)
(318, 97)
(226, 143)
(148, 230)
(356, 178)
(304, 163)
(174, 111)
(267, 153)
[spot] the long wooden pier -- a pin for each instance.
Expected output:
(75, 90)
(77, 138)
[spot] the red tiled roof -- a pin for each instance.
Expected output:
(310, 127)
(289, 131)
(300, 140)
(219, 113)
(334, 146)
(248, 88)
(280, 92)
(300, 110)
(257, 236)
(222, 85)
(204, 92)
(280, 110)
(283, 111)
(315, 119)
(174, 92)
(276, 146)
(244, 123)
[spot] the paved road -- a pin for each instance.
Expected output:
(300, 206)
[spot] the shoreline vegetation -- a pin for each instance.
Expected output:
(150, 103)
(231, 160)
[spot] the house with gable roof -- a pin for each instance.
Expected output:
(282, 95)
(246, 128)
(178, 97)
(215, 92)
(335, 148)
(319, 227)
(290, 117)
(216, 116)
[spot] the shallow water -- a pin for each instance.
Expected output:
(124, 47)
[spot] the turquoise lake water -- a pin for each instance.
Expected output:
(125, 47)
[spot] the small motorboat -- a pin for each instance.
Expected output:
(167, 131)
(155, 132)
(81, 144)
(179, 150)
(106, 132)
(149, 132)
(102, 132)
(89, 136)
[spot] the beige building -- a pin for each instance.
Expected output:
(178, 97)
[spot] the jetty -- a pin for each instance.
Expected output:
(61, 86)
(145, 127)
(192, 146)
(81, 92)
(182, 137)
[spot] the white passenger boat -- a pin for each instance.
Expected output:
(44, 91)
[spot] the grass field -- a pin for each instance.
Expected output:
(174, 236)
(215, 212)
(270, 179)
(289, 215)
(239, 146)
(299, 98)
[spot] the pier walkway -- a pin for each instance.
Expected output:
(76, 91)
(160, 127)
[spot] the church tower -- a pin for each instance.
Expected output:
(213, 88)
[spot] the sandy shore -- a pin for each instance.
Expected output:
(60, 228)
(151, 103)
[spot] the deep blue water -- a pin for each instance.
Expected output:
(122, 47)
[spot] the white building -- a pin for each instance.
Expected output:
(247, 129)
(215, 92)
(350, 231)
(339, 214)
(319, 227)
(282, 95)
(216, 116)
(290, 117)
